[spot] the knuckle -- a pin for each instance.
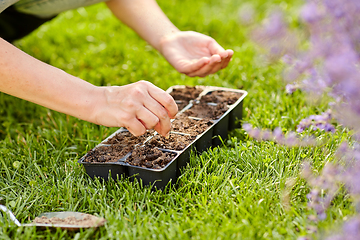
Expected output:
(154, 122)
(126, 118)
(129, 103)
(143, 82)
(138, 92)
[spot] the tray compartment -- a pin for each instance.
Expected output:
(158, 177)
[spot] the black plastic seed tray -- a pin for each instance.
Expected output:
(203, 116)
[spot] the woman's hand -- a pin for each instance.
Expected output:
(194, 54)
(137, 107)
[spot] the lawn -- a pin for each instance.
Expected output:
(243, 189)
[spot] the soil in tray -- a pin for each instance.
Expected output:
(220, 96)
(173, 142)
(149, 157)
(184, 124)
(204, 110)
(111, 153)
(126, 138)
(182, 96)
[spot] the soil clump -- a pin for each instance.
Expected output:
(194, 127)
(173, 142)
(149, 157)
(226, 97)
(206, 110)
(110, 153)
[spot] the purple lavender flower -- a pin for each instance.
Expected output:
(321, 122)
(350, 230)
(327, 182)
(329, 68)
(291, 88)
(290, 140)
(310, 12)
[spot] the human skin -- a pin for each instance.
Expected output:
(138, 106)
(191, 53)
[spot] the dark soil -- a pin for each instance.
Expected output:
(173, 142)
(183, 124)
(205, 110)
(182, 96)
(226, 97)
(149, 157)
(87, 221)
(110, 153)
(126, 138)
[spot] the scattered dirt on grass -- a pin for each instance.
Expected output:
(205, 110)
(173, 142)
(220, 96)
(111, 153)
(149, 157)
(190, 126)
(87, 221)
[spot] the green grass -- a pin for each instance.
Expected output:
(240, 190)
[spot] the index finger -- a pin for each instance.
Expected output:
(164, 99)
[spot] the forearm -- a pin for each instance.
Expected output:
(145, 17)
(28, 78)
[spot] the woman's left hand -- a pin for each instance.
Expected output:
(194, 54)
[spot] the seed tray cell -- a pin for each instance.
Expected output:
(195, 128)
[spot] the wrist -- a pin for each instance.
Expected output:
(95, 105)
(164, 38)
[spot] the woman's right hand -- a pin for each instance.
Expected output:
(137, 107)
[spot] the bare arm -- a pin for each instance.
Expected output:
(145, 17)
(138, 106)
(191, 53)
(28, 78)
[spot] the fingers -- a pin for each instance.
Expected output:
(213, 66)
(162, 122)
(217, 62)
(147, 118)
(195, 65)
(164, 99)
(226, 60)
(157, 108)
(135, 126)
